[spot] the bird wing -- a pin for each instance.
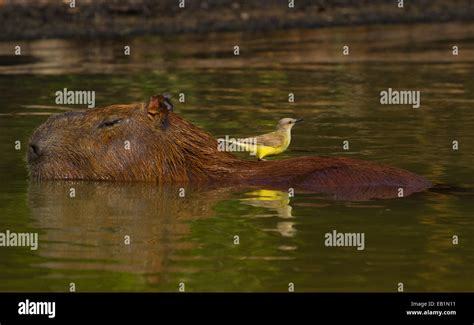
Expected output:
(273, 139)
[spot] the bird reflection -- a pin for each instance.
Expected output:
(277, 201)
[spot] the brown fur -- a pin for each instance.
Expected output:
(165, 148)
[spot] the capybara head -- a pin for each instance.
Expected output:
(144, 141)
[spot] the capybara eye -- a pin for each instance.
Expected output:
(109, 123)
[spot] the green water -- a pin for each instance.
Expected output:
(191, 239)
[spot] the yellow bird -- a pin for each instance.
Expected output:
(272, 143)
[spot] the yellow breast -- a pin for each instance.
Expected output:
(263, 151)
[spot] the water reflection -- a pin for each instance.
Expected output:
(305, 48)
(276, 201)
(88, 231)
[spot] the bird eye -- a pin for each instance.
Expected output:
(109, 123)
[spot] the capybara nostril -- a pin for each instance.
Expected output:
(34, 151)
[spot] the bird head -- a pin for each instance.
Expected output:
(287, 123)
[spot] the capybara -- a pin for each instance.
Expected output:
(148, 142)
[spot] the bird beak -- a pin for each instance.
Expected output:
(298, 120)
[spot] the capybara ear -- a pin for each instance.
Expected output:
(167, 102)
(158, 108)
